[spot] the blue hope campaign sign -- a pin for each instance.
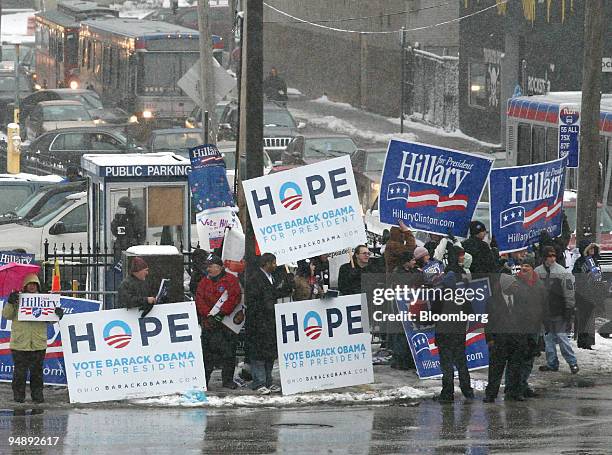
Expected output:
(431, 189)
(422, 340)
(208, 179)
(54, 372)
(524, 201)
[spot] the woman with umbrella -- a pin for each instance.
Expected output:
(28, 344)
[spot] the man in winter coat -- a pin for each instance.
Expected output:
(127, 226)
(450, 335)
(529, 300)
(134, 290)
(507, 346)
(590, 292)
(28, 344)
(261, 295)
(400, 241)
(275, 87)
(558, 243)
(560, 311)
(483, 259)
(350, 274)
(217, 295)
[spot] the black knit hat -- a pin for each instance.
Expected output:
(476, 227)
(212, 259)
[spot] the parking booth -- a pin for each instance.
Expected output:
(134, 199)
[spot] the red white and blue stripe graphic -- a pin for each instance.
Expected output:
(313, 325)
(434, 198)
(43, 311)
(543, 211)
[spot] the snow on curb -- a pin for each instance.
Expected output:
(343, 127)
(374, 397)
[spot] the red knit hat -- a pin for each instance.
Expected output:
(138, 264)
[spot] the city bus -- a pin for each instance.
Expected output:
(536, 132)
(57, 39)
(136, 65)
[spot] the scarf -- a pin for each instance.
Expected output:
(529, 278)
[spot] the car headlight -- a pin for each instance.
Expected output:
(74, 85)
(133, 119)
(37, 87)
(98, 121)
(147, 114)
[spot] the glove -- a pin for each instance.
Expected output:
(59, 311)
(13, 298)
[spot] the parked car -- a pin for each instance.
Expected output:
(8, 87)
(311, 149)
(61, 224)
(43, 199)
(51, 115)
(53, 151)
(279, 127)
(90, 99)
(367, 168)
(16, 189)
(195, 117)
(178, 140)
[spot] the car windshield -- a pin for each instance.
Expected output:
(278, 117)
(89, 100)
(328, 146)
(65, 114)
(375, 161)
(180, 142)
(603, 216)
(12, 196)
(48, 213)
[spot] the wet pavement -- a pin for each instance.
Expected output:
(569, 421)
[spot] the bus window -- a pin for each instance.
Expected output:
(523, 154)
(552, 143)
(539, 144)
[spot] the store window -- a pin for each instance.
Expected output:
(477, 77)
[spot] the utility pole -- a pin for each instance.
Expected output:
(251, 94)
(207, 80)
(0, 30)
(588, 170)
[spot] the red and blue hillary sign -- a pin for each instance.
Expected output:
(422, 339)
(524, 201)
(54, 371)
(431, 189)
(208, 179)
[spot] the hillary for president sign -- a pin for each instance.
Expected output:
(524, 201)
(322, 344)
(38, 307)
(120, 355)
(306, 211)
(431, 189)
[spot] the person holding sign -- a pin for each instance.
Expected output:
(134, 289)
(28, 344)
(349, 275)
(217, 295)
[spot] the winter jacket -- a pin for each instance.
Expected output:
(483, 259)
(133, 293)
(260, 325)
(306, 291)
(450, 307)
(560, 296)
(349, 278)
(530, 304)
(210, 291)
(503, 316)
(590, 289)
(399, 242)
(25, 335)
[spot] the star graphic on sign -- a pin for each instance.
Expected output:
(404, 191)
(505, 217)
(391, 191)
(512, 214)
(519, 213)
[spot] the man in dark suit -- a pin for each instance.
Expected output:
(261, 296)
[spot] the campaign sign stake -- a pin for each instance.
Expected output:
(322, 344)
(431, 189)
(38, 307)
(120, 355)
(524, 200)
(306, 211)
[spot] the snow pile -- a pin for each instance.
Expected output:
(374, 397)
(343, 127)
(597, 360)
(325, 100)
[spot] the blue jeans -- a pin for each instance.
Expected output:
(551, 340)
(261, 370)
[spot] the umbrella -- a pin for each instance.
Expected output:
(12, 275)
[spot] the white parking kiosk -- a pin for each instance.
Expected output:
(136, 199)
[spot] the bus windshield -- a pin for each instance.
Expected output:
(159, 72)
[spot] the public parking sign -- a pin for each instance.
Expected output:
(569, 133)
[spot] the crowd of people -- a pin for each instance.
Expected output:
(535, 303)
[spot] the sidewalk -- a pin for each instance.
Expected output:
(390, 386)
(376, 130)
